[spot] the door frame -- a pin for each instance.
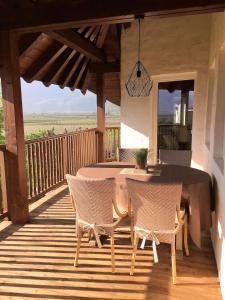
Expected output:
(153, 140)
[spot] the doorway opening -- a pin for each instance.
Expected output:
(175, 114)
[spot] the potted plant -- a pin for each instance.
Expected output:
(141, 158)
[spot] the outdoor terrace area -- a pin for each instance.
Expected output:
(36, 262)
(176, 57)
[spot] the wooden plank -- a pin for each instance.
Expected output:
(77, 60)
(46, 16)
(31, 45)
(65, 156)
(14, 129)
(80, 74)
(29, 166)
(83, 80)
(110, 67)
(34, 52)
(39, 68)
(55, 73)
(44, 151)
(77, 42)
(100, 117)
(42, 175)
(94, 34)
(37, 262)
(89, 32)
(102, 35)
(33, 164)
(4, 182)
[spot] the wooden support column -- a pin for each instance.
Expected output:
(14, 129)
(100, 116)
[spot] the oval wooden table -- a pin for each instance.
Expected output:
(196, 193)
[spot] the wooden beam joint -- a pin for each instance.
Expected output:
(77, 42)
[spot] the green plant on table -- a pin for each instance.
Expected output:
(141, 157)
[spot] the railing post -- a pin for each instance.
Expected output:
(4, 183)
(65, 155)
(101, 117)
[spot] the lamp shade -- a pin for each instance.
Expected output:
(139, 83)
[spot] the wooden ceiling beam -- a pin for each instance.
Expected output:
(78, 43)
(72, 70)
(47, 15)
(89, 32)
(94, 34)
(110, 67)
(85, 82)
(80, 74)
(56, 74)
(26, 40)
(35, 44)
(102, 35)
(36, 70)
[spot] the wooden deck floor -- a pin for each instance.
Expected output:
(36, 262)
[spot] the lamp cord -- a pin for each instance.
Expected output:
(139, 38)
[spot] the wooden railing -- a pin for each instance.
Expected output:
(3, 190)
(49, 159)
(112, 141)
(170, 137)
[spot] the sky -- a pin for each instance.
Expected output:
(168, 100)
(40, 99)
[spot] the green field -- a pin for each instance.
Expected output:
(35, 123)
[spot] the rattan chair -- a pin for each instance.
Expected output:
(157, 217)
(175, 157)
(94, 201)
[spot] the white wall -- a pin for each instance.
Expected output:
(175, 49)
(212, 164)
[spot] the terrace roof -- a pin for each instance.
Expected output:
(72, 57)
(70, 48)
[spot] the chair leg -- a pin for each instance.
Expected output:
(131, 223)
(77, 250)
(134, 252)
(173, 260)
(132, 231)
(113, 253)
(186, 248)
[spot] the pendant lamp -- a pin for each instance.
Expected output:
(139, 83)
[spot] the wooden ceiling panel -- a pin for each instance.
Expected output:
(66, 58)
(26, 40)
(33, 51)
(69, 72)
(46, 15)
(41, 66)
(58, 66)
(78, 43)
(80, 74)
